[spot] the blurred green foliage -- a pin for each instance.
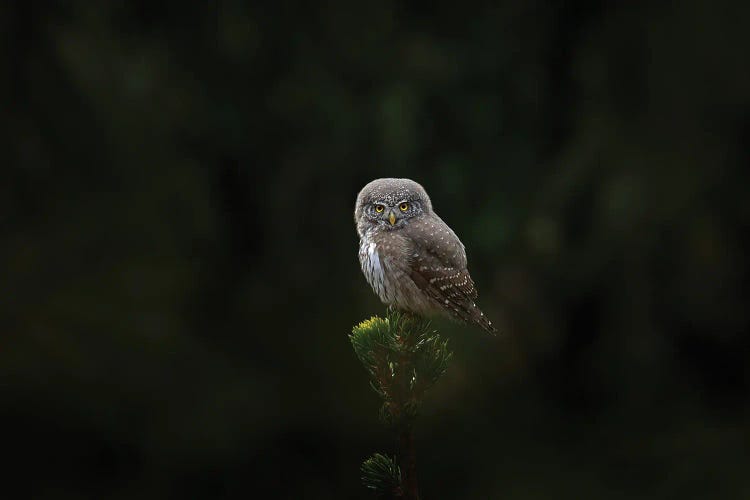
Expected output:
(179, 258)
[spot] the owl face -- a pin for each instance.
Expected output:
(392, 216)
(389, 204)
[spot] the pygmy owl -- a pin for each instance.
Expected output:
(411, 258)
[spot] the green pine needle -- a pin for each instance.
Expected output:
(381, 474)
(404, 357)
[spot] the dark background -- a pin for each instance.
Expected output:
(179, 261)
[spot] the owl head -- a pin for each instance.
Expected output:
(389, 204)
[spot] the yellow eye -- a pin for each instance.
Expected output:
(379, 208)
(404, 207)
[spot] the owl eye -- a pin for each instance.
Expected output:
(379, 208)
(403, 207)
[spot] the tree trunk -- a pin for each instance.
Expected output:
(408, 462)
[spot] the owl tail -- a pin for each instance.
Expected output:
(469, 313)
(479, 319)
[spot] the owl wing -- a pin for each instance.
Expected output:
(437, 266)
(439, 278)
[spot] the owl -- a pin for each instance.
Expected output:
(411, 258)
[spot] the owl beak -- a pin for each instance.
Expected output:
(392, 218)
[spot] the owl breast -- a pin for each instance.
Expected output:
(372, 267)
(385, 263)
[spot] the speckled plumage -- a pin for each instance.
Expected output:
(411, 258)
